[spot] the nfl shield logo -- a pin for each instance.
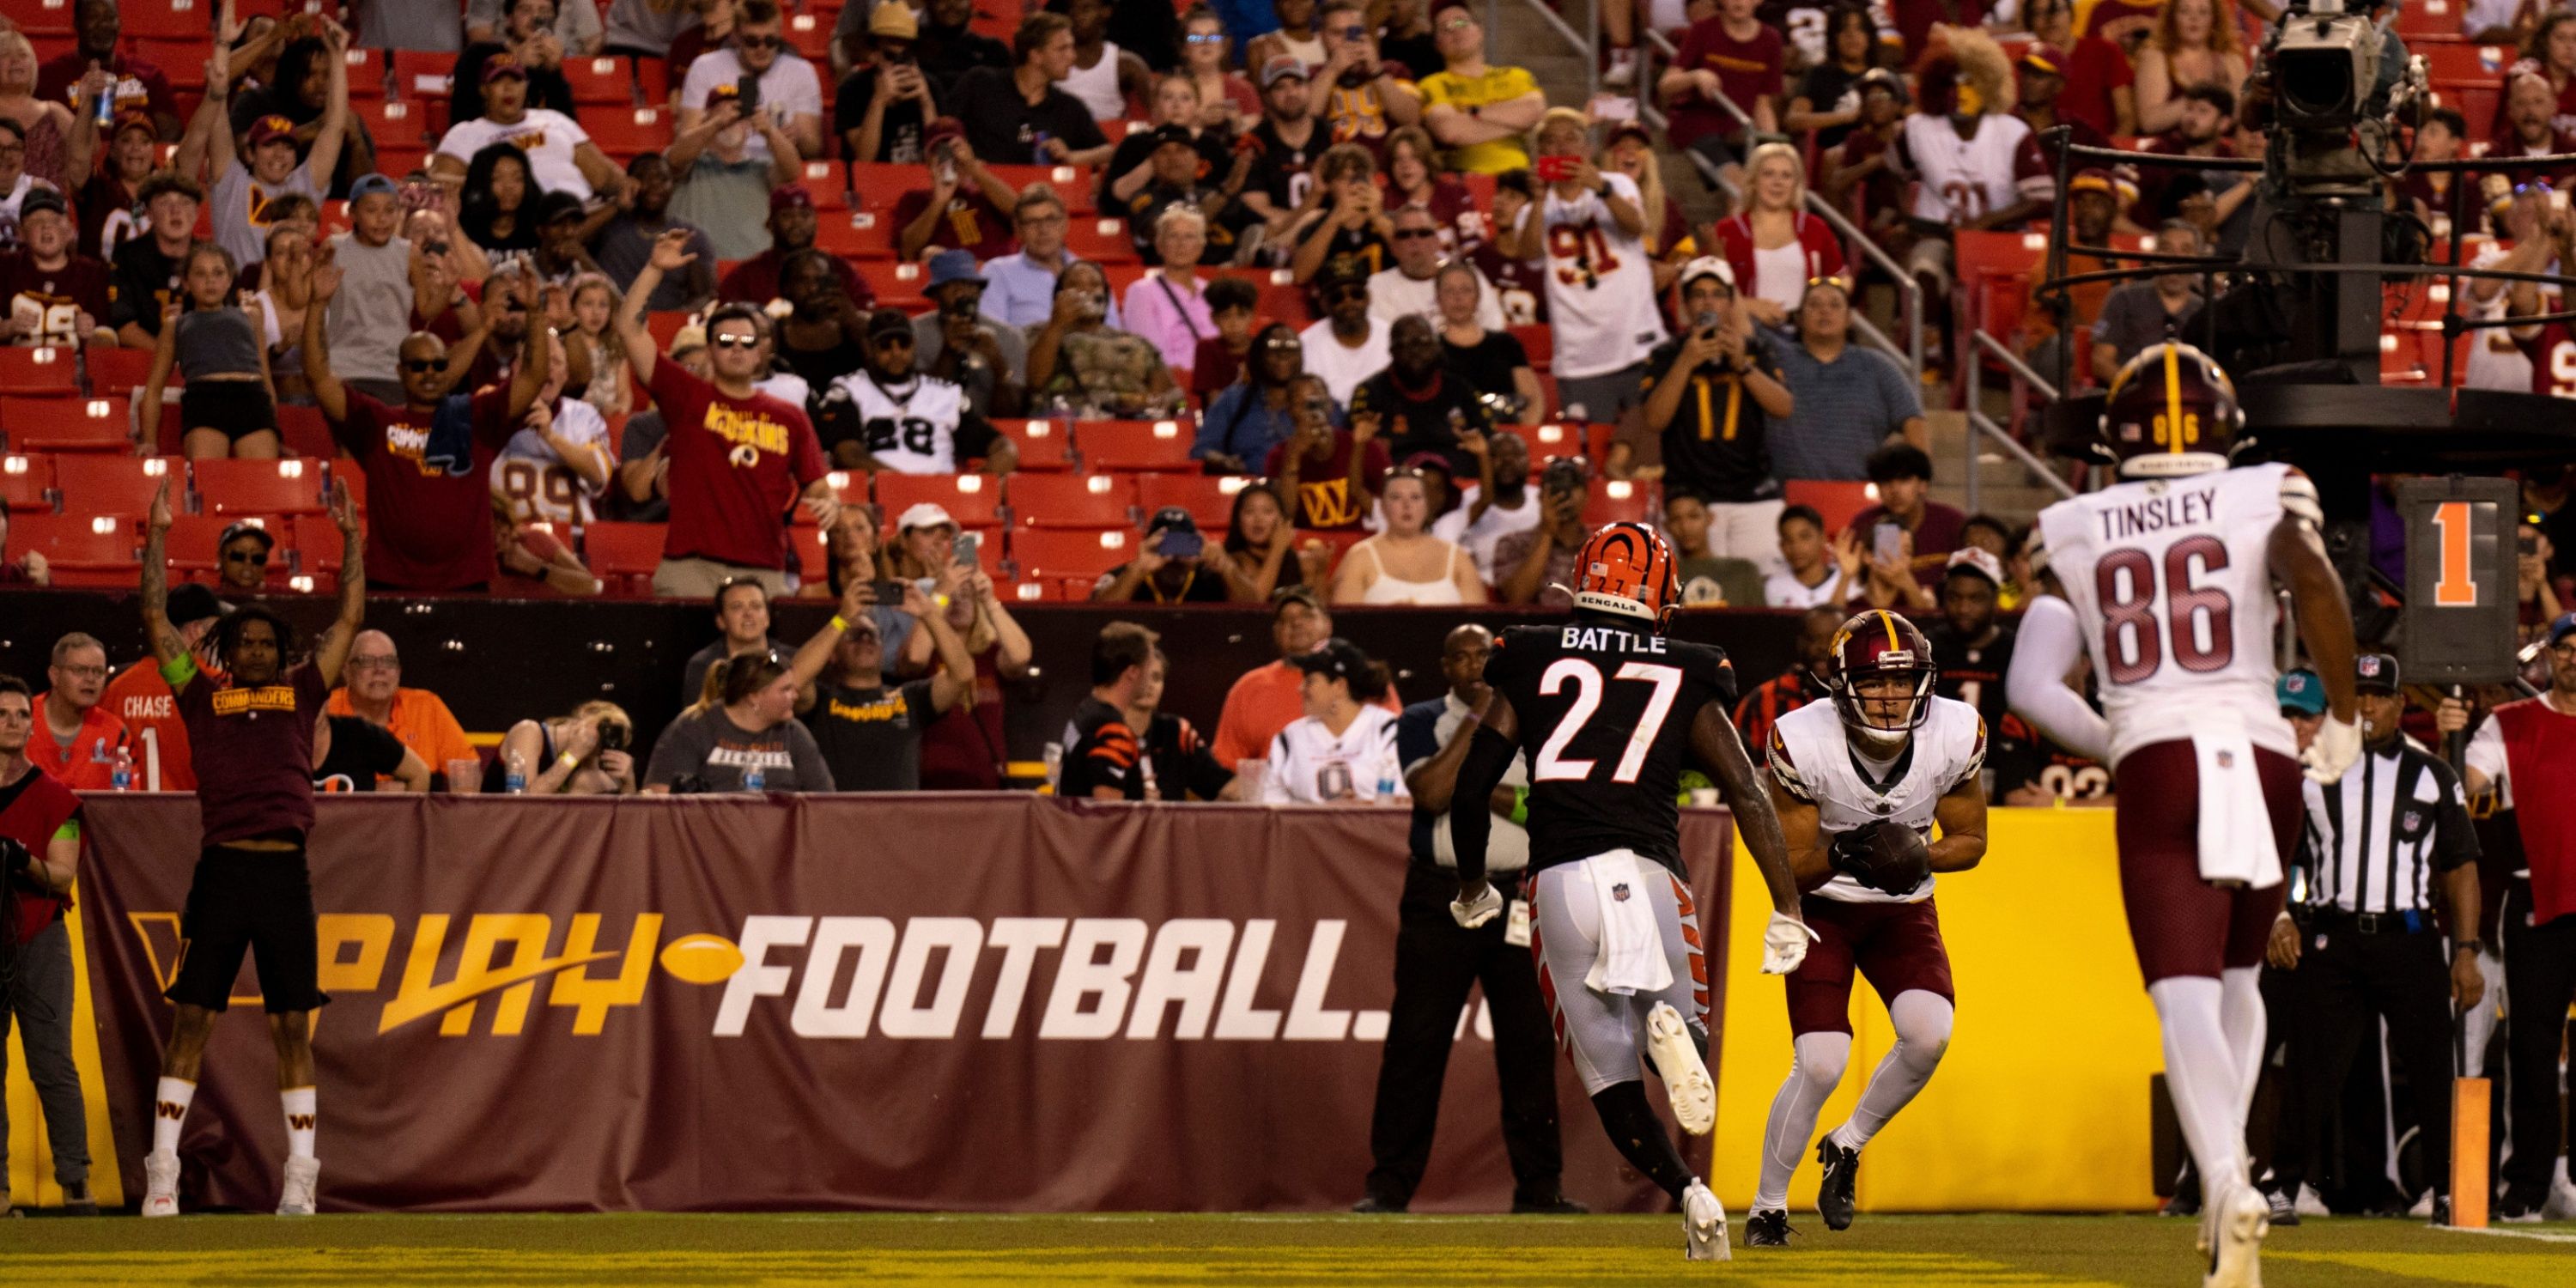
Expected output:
(2414, 819)
(2227, 760)
(1620, 892)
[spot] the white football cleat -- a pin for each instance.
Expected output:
(2235, 1257)
(2311, 1206)
(161, 1183)
(296, 1197)
(1703, 1225)
(1686, 1080)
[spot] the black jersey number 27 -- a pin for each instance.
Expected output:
(1553, 765)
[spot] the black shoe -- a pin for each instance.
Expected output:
(76, 1200)
(2441, 1210)
(2517, 1212)
(1767, 1229)
(1834, 1195)
(2180, 1205)
(1376, 1206)
(1557, 1206)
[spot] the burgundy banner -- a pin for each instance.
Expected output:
(909, 1002)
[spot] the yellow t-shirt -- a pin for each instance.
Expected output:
(1497, 85)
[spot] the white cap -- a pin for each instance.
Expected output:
(1977, 560)
(925, 514)
(1708, 266)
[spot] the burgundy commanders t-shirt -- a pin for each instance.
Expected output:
(1746, 70)
(972, 222)
(254, 750)
(429, 527)
(736, 465)
(54, 301)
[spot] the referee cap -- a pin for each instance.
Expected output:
(2375, 672)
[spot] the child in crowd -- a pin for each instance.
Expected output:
(594, 306)
(229, 407)
(1708, 581)
(1232, 303)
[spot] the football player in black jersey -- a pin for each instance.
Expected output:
(1607, 708)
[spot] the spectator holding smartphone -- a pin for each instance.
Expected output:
(1712, 393)
(1174, 564)
(884, 104)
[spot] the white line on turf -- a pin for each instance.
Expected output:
(2542, 1235)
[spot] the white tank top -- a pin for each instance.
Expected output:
(1780, 274)
(1390, 589)
(1098, 87)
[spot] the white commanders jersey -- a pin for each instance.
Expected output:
(1962, 179)
(915, 434)
(1600, 285)
(1814, 761)
(1309, 766)
(534, 484)
(2171, 582)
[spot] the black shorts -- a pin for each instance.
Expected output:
(235, 408)
(256, 901)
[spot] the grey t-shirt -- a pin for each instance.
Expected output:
(649, 25)
(714, 748)
(625, 248)
(1844, 409)
(429, 27)
(239, 198)
(2133, 318)
(871, 738)
(645, 431)
(372, 313)
(576, 21)
(730, 202)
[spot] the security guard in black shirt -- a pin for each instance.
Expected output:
(2383, 850)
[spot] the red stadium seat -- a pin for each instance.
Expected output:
(1537, 341)
(366, 66)
(25, 481)
(896, 285)
(811, 35)
(42, 371)
(1045, 446)
(228, 486)
(605, 80)
(41, 17)
(1208, 498)
(317, 552)
(111, 371)
(628, 132)
(856, 234)
(176, 19)
(1130, 445)
(396, 121)
(67, 424)
(182, 60)
(1621, 501)
(1549, 441)
(94, 484)
(1339, 540)
(623, 555)
(192, 551)
(2464, 62)
(306, 432)
(878, 185)
(1837, 500)
(1071, 183)
(1071, 501)
(666, 324)
(973, 500)
(1102, 240)
(423, 76)
(86, 550)
(1283, 301)
(1079, 553)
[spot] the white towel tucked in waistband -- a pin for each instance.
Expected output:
(2236, 842)
(1631, 959)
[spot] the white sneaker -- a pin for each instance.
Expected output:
(1703, 1225)
(2561, 1205)
(2235, 1259)
(296, 1197)
(1686, 1080)
(2311, 1204)
(2423, 1208)
(161, 1183)
(1623, 69)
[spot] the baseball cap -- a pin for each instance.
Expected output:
(1443, 6)
(557, 205)
(789, 196)
(1167, 135)
(132, 120)
(889, 322)
(1336, 656)
(1280, 67)
(244, 528)
(1629, 129)
(2375, 672)
(953, 266)
(1341, 270)
(500, 65)
(1170, 518)
(2301, 691)
(894, 19)
(2562, 628)
(269, 129)
(38, 199)
(1976, 560)
(371, 183)
(2093, 178)
(924, 514)
(1879, 78)
(1708, 266)
(941, 130)
(194, 603)
(2047, 60)
(1429, 461)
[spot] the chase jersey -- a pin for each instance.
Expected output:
(1815, 762)
(2171, 582)
(926, 432)
(1605, 714)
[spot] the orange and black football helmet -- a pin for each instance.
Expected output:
(2171, 413)
(1628, 569)
(1879, 645)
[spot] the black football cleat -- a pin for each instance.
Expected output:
(1834, 1195)
(1375, 1205)
(1767, 1229)
(1557, 1206)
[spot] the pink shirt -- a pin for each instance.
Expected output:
(1168, 316)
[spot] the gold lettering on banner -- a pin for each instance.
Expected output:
(372, 932)
(233, 702)
(475, 975)
(591, 997)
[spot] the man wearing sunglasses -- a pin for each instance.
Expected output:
(1348, 345)
(789, 90)
(1412, 287)
(889, 416)
(241, 558)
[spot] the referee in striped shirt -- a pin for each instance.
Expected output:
(2382, 851)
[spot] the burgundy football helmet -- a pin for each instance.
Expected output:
(1879, 645)
(2171, 413)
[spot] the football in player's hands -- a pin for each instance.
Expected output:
(1887, 856)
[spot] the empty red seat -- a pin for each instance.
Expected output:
(855, 234)
(42, 371)
(305, 431)
(1044, 445)
(317, 544)
(1208, 498)
(1621, 501)
(422, 75)
(67, 424)
(1072, 183)
(42, 17)
(93, 484)
(1074, 553)
(84, 549)
(1071, 501)
(1538, 342)
(175, 19)
(973, 500)
(292, 485)
(1103, 241)
(24, 482)
(605, 80)
(628, 132)
(623, 555)
(112, 371)
(896, 285)
(1549, 441)
(396, 120)
(1125, 445)
(1835, 499)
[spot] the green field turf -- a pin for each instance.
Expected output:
(1342, 1251)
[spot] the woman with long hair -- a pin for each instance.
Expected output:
(1827, 103)
(1262, 546)
(764, 748)
(1631, 152)
(853, 552)
(285, 291)
(1253, 415)
(47, 125)
(581, 754)
(1405, 564)
(1226, 101)
(1078, 362)
(964, 750)
(1774, 246)
(1494, 362)
(2194, 43)
(496, 206)
(1413, 178)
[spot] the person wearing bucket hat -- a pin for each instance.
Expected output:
(956, 341)
(1174, 564)
(889, 416)
(965, 207)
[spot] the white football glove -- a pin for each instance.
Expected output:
(1471, 913)
(1784, 944)
(2336, 746)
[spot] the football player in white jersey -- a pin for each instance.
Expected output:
(1858, 782)
(2169, 577)
(1590, 228)
(887, 415)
